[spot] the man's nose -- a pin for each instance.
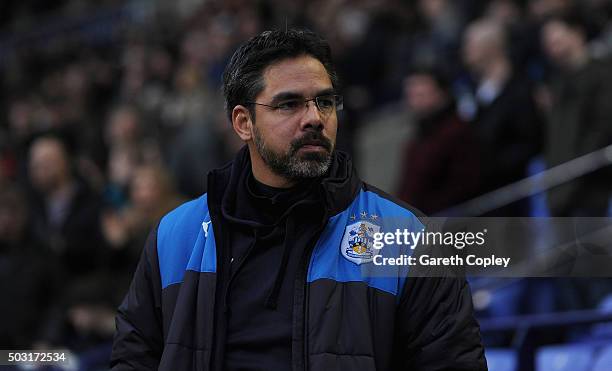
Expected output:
(313, 118)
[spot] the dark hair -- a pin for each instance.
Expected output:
(576, 22)
(243, 75)
(438, 75)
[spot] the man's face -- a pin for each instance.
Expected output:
(476, 48)
(423, 94)
(48, 164)
(295, 145)
(560, 42)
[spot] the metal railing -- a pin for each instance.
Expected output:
(534, 184)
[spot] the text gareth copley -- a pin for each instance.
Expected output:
(456, 260)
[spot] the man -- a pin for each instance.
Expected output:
(24, 260)
(579, 119)
(65, 211)
(506, 123)
(440, 167)
(579, 116)
(258, 273)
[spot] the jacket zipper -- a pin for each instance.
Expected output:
(303, 285)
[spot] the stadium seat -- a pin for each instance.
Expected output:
(604, 330)
(499, 359)
(577, 357)
(603, 362)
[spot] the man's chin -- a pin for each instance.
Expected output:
(312, 165)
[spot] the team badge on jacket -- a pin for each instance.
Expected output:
(358, 240)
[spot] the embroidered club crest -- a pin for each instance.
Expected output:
(357, 242)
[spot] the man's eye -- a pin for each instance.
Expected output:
(289, 105)
(326, 102)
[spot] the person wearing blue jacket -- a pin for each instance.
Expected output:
(272, 268)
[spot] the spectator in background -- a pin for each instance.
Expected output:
(543, 9)
(440, 167)
(8, 162)
(152, 195)
(523, 49)
(440, 37)
(22, 121)
(195, 145)
(29, 277)
(506, 123)
(65, 211)
(579, 118)
(126, 148)
(83, 317)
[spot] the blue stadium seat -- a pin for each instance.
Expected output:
(604, 330)
(603, 362)
(575, 357)
(499, 359)
(606, 304)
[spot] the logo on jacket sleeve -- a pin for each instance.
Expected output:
(357, 242)
(205, 226)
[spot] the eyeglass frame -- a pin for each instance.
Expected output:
(338, 103)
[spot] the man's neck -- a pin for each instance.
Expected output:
(271, 179)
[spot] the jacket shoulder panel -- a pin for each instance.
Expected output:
(334, 257)
(185, 241)
(394, 200)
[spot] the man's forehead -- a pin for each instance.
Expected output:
(303, 75)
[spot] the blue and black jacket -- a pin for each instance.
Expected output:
(345, 317)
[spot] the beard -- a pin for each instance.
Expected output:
(292, 165)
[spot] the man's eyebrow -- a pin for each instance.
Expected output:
(286, 95)
(329, 91)
(293, 95)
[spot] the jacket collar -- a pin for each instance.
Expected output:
(338, 187)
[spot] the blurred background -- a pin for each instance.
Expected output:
(111, 115)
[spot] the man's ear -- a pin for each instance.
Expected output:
(242, 123)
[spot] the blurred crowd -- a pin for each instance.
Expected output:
(111, 115)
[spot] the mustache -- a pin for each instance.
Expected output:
(313, 138)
